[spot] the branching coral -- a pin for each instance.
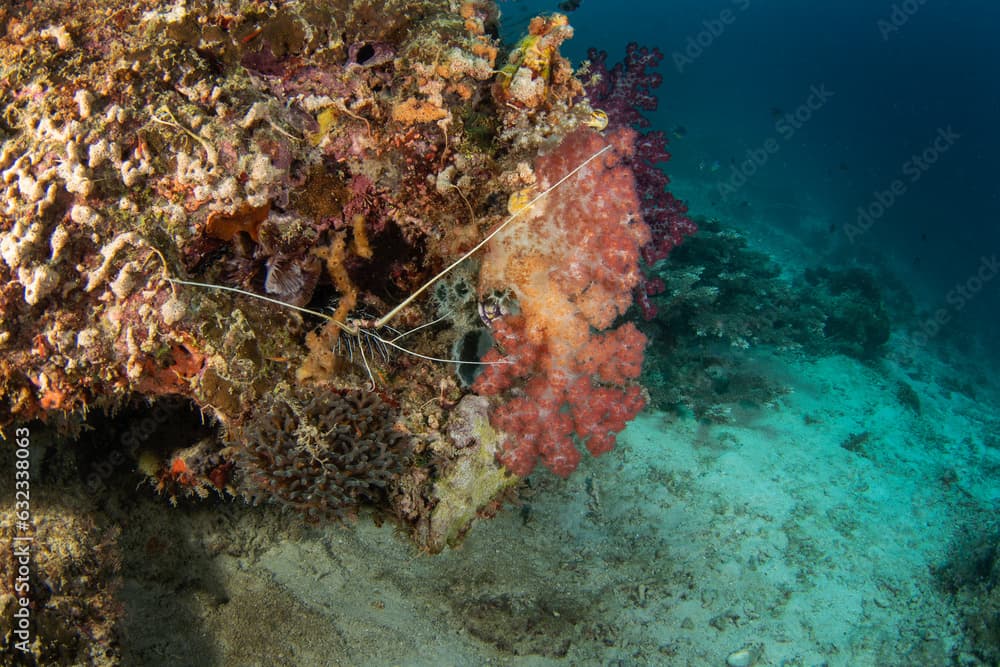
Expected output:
(323, 454)
(720, 297)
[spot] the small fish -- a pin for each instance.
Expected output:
(679, 131)
(519, 199)
(569, 5)
(598, 120)
(709, 166)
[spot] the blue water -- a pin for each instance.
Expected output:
(896, 81)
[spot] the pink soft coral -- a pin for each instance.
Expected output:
(573, 263)
(592, 398)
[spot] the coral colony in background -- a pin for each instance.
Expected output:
(335, 156)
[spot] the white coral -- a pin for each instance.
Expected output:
(38, 283)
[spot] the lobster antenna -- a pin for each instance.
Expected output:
(418, 355)
(352, 331)
(237, 290)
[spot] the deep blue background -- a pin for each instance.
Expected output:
(892, 93)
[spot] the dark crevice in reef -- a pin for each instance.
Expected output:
(117, 446)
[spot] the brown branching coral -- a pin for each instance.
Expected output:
(324, 453)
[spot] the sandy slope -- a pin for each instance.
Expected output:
(780, 533)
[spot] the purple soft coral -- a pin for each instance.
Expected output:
(661, 210)
(624, 92)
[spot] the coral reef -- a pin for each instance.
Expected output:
(69, 572)
(231, 145)
(971, 576)
(73, 591)
(323, 453)
(856, 321)
(720, 297)
(716, 287)
(208, 211)
(535, 72)
(330, 156)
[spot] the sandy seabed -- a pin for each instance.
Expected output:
(811, 533)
